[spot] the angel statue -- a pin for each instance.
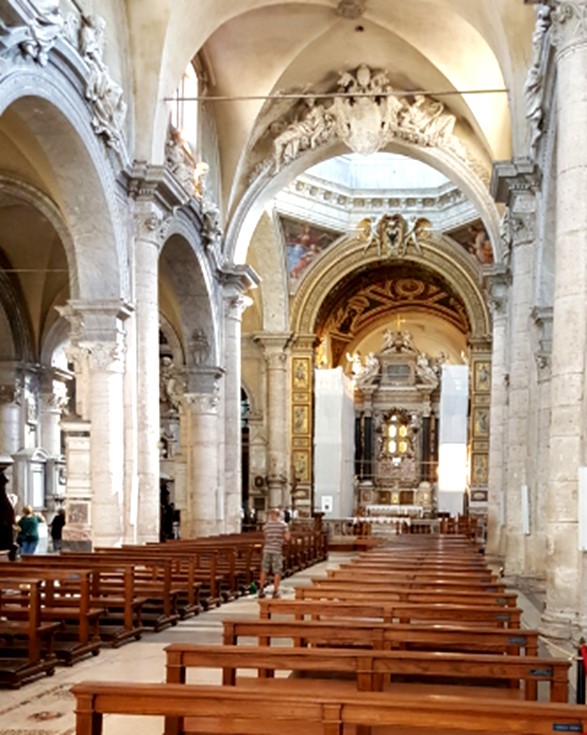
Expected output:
(418, 227)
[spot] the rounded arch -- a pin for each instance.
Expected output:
(185, 289)
(254, 201)
(55, 126)
(441, 257)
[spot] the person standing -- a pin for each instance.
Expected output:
(28, 536)
(7, 520)
(56, 528)
(275, 534)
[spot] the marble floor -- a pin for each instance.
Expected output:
(45, 706)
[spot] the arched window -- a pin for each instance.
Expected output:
(185, 107)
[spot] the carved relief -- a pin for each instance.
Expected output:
(211, 227)
(38, 36)
(534, 85)
(203, 402)
(301, 373)
(102, 92)
(569, 23)
(366, 117)
(199, 347)
(392, 234)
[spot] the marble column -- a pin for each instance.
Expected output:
(151, 230)
(97, 351)
(10, 399)
(204, 501)
(498, 427)
(567, 446)
(235, 304)
(277, 404)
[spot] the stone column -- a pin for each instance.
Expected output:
(521, 368)
(277, 402)
(97, 351)
(567, 446)
(150, 235)
(10, 399)
(235, 304)
(498, 427)
(204, 502)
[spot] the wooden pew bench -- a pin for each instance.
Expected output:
(112, 588)
(382, 636)
(26, 641)
(66, 601)
(369, 589)
(371, 670)
(222, 710)
(404, 612)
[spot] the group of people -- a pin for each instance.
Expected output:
(19, 534)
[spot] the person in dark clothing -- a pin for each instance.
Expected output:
(7, 520)
(56, 528)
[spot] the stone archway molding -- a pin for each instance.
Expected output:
(438, 253)
(266, 184)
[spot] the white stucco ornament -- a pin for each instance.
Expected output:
(366, 116)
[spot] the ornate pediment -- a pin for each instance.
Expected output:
(366, 113)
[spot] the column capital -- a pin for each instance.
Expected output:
(569, 25)
(203, 403)
(510, 179)
(204, 379)
(498, 282)
(275, 346)
(99, 356)
(151, 224)
(95, 321)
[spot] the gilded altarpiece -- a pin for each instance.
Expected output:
(302, 386)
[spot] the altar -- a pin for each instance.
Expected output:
(397, 395)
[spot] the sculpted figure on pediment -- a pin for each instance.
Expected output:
(36, 38)
(103, 93)
(179, 160)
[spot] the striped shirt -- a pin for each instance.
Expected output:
(274, 532)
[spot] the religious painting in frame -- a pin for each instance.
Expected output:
(301, 419)
(301, 373)
(301, 466)
(482, 375)
(479, 469)
(480, 422)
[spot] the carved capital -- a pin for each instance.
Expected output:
(202, 403)
(237, 305)
(51, 402)
(569, 24)
(10, 394)
(98, 356)
(152, 225)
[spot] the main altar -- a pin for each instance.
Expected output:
(397, 395)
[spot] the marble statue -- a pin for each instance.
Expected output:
(37, 37)
(179, 160)
(103, 93)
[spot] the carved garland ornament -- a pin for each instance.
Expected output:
(368, 115)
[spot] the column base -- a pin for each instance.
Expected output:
(557, 626)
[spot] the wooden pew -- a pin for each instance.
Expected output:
(219, 709)
(112, 588)
(382, 636)
(65, 601)
(364, 588)
(371, 669)
(27, 640)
